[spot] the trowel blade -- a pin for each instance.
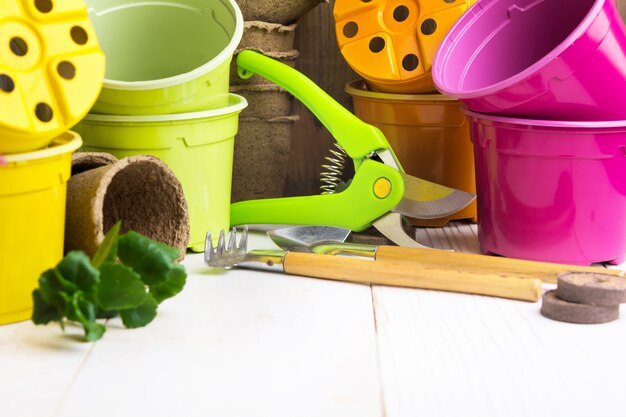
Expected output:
(302, 238)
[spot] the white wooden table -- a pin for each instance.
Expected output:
(245, 343)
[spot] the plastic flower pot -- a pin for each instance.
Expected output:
(391, 44)
(551, 191)
(430, 135)
(165, 57)
(543, 59)
(32, 219)
(51, 71)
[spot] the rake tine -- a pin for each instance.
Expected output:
(226, 255)
(208, 248)
(221, 243)
(243, 243)
(232, 240)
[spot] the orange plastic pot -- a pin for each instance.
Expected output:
(392, 43)
(430, 136)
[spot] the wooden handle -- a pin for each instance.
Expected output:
(404, 274)
(482, 264)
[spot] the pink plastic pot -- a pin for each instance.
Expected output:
(545, 59)
(551, 191)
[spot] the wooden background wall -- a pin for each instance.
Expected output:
(321, 60)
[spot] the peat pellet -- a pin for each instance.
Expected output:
(591, 288)
(554, 308)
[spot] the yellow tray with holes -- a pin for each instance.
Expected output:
(51, 70)
(392, 43)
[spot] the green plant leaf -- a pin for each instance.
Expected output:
(107, 314)
(140, 241)
(152, 260)
(107, 251)
(84, 311)
(43, 313)
(140, 316)
(170, 252)
(120, 287)
(51, 284)
(172, 286)
(81, 290)
(94, 331)
(74, 312)
(77, 268)
(65, 307)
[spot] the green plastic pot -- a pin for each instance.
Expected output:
(167, 56)
(198, 148)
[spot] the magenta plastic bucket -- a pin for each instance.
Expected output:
(542, 59)
(551, 191)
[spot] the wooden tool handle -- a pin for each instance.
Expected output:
(404, 274)
(482, 264)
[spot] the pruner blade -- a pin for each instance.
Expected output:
(390, 225)
(423, 199)
(426, 200)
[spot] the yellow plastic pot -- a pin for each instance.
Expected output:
(392, 43)
(32, 221)
(430, 136)
(167, 56)
(51, 71)
(198, 148)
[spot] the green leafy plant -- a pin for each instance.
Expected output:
(129, 275)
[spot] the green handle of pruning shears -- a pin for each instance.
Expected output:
(375, 189)
(356, 137)
(355, 208)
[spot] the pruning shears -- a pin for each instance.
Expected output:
(380, 191)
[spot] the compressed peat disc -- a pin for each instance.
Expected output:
(554, 308)
(591, 288)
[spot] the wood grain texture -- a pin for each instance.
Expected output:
(244, 343)
(448, 355)
(38, 367)
(238, 343)
(481, 264)
(403, 273)
(321, 60)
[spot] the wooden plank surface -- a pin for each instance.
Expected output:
(454, 355)
(245, 343)
(38, 367)
(242, 343)
(450, 354)
(239, 343)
